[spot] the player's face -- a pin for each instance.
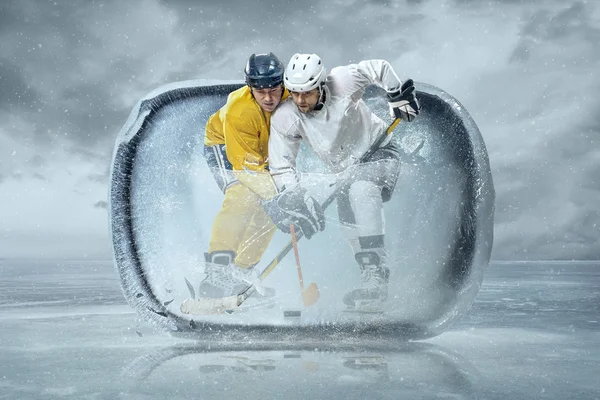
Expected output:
(306, 101)
(268, 99)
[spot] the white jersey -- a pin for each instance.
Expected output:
(339, 133)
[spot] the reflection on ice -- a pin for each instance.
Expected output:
(439, 224)
(411, 370)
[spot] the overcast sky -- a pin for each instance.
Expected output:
(70, 73)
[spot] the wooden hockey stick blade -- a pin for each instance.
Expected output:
(310, 295)
(219, 305)
(208, 306)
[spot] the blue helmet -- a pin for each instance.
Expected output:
(263, 71)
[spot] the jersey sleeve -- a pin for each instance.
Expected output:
(283, 150)
(379, 72)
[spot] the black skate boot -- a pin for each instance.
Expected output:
(374, 277)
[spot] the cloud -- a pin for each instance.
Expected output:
(71, 73)
(14, 90)
(549, 157)
(80, 69)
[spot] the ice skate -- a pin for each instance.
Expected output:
(374, 284)
(224, 278)
(219, 281)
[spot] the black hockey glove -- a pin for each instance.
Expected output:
(295, 207)
(403, 102)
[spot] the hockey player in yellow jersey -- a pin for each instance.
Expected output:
(236, 151)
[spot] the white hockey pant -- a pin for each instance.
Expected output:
(360, 203)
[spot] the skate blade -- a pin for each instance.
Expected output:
(363, 311)
(366, 307)
(252, 307)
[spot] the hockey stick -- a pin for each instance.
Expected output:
(311, 294)
(222, 304)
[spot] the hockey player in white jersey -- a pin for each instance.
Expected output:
(327, 111)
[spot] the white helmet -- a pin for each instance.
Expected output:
(304, 72)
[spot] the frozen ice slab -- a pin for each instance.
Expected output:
(163, 200)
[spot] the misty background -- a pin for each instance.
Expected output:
(71, 72)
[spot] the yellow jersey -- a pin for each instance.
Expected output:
(243, 126)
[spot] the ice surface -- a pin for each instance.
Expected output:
(66, 332)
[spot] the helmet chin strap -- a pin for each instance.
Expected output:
(322, 96)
